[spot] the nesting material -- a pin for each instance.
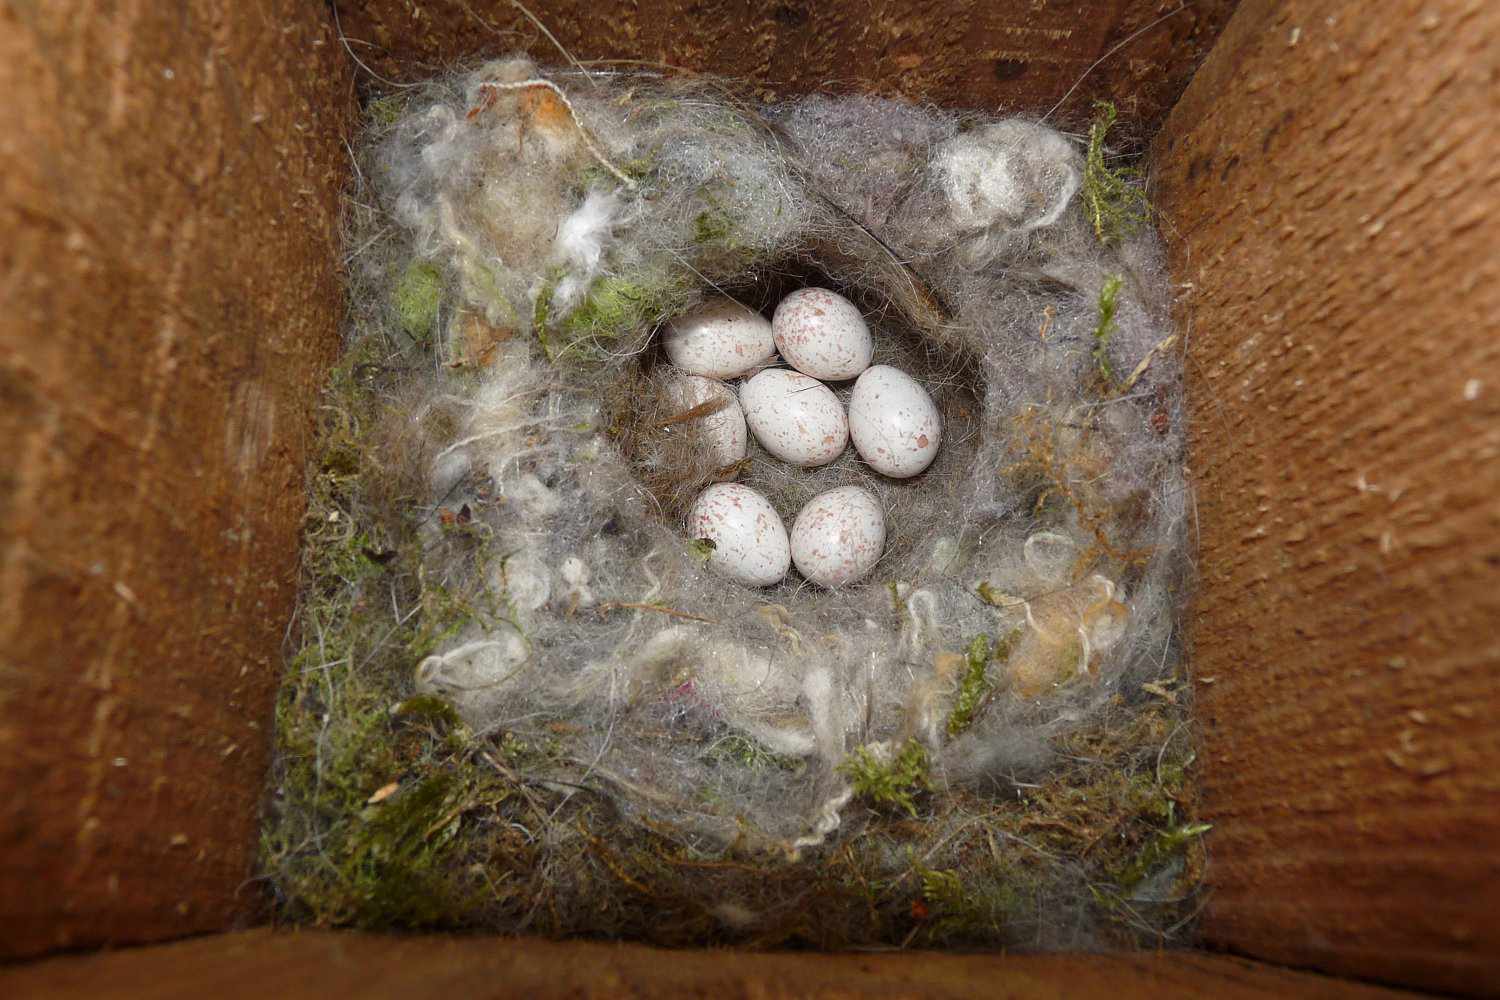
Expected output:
(598, 723)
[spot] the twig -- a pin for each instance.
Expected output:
(357, 60)
(553, 39)
(701, 410)
(1120, 45)
(637, 606)
(1161, 347)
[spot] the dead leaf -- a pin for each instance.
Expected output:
(1160, 692)
(382, 793)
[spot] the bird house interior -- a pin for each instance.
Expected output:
(1326, 185)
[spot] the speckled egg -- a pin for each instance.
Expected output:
(795, 418)
(894, 425)
(822, 334)
(749, 541)
(838, 537)
(722, 432)
(720, 339)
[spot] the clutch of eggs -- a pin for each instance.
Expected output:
(838, 536)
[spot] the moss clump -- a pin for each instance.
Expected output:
(541, 311)
(889, 782)
(417, 296)
(723, 244)
(1117, 207)
(386, 111)
(994, 598)
(428, 708)
(616, 306)
(1161, 849)
(444, 614)
(712, 226)
(396, 857)
(372, 788)
(745, 752)
(975, 687)
(594, 175)
(1104, 327)
(955, 911)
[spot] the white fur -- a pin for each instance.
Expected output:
(581, 242)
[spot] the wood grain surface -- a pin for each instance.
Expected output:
(257, 964)
(169, 178)
(1017, 55)
(1331, 184)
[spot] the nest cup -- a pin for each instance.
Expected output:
(669, 458)
(530, 638)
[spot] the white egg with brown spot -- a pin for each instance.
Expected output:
(822, 334)
(719, 422)
(748, 542)
(719, 339)
(893, 422)
(838, 536)
(796, 418)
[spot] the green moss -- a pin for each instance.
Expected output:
(385, 111)
(1104, 327)
(341, 847)
(972, 688)
(428, 708)
(994, 598)
(416, 298)
(973, 909)
(975, 686)
(394, 860)
(1159, 850)
(594, 175)
(717, 235)
(712, 226)
(615, 306)
(541, 311)
(1117, 207)
(889, 784)
(741, 751)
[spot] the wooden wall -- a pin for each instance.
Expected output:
(1331, 184)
